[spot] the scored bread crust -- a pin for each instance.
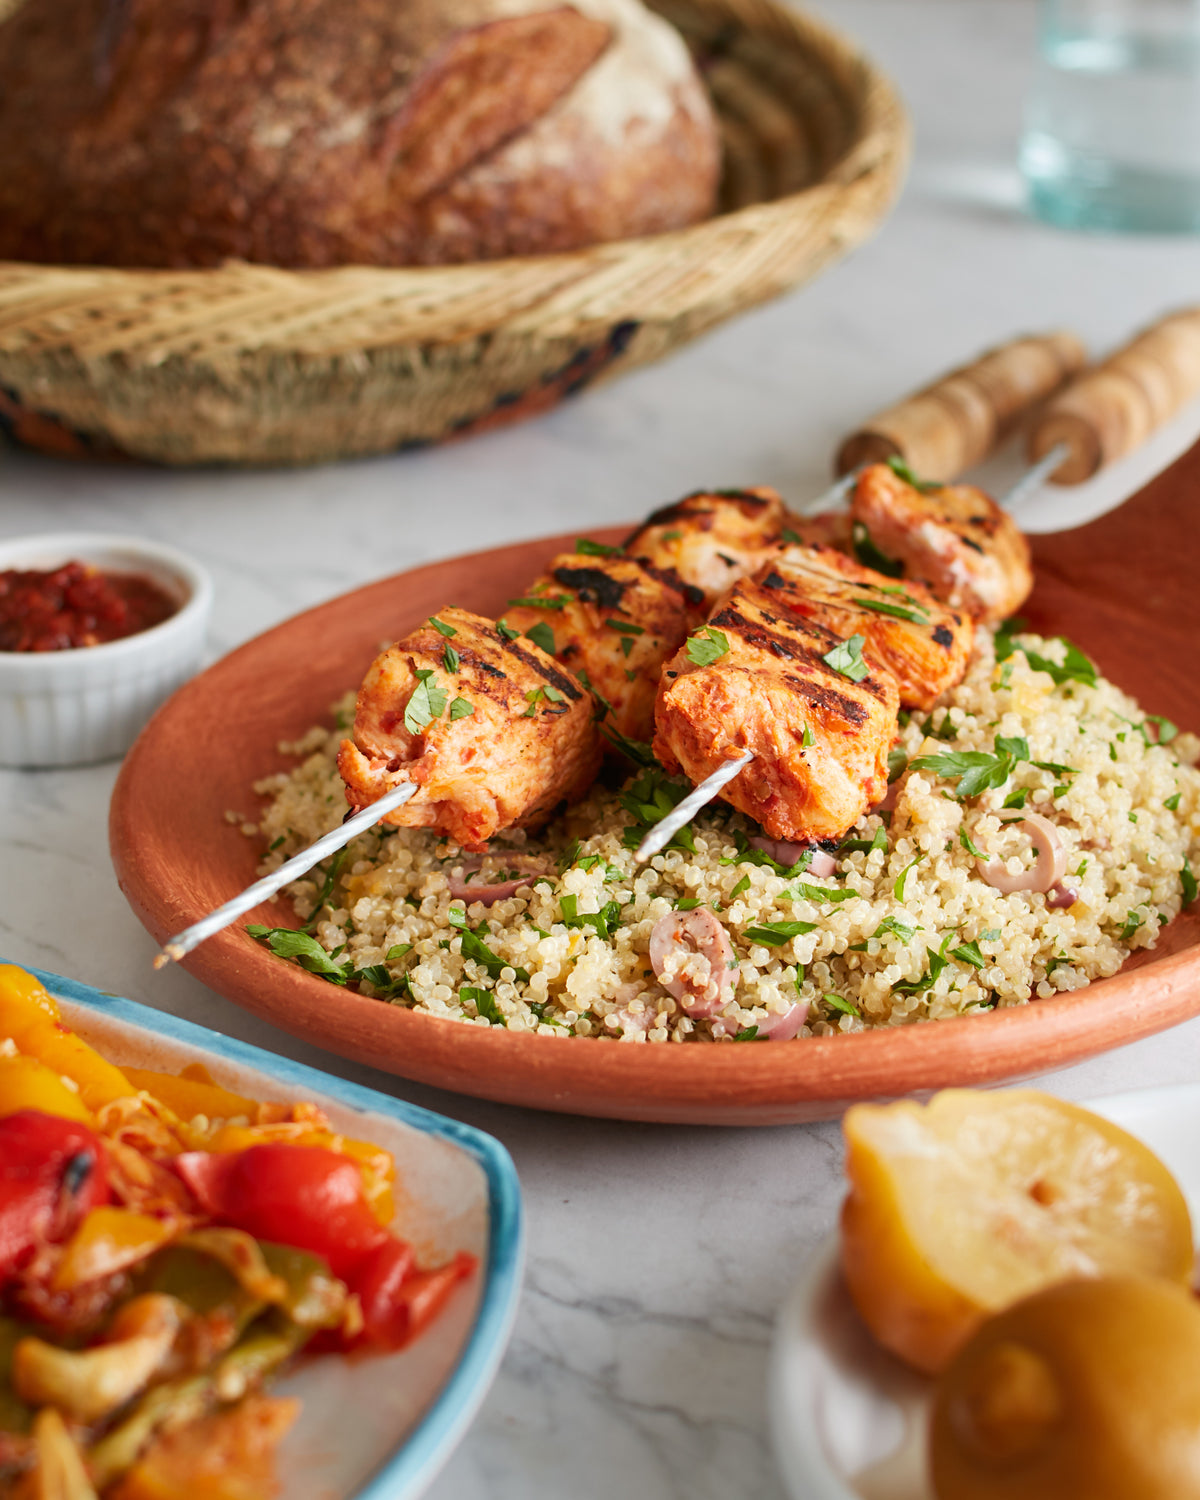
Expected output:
(328, 132)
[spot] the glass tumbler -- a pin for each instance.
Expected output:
(1112, 122)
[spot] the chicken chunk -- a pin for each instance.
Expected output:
(494, 732)
(923, 644)
(613, 621)
(711, 539)
(954, 537)
(819, 713)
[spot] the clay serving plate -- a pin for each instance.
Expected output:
(1123, 587)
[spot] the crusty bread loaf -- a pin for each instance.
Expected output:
(331, 132)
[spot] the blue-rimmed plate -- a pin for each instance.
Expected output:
(374, 1428)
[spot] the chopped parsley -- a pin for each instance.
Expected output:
(902, 878)
(461, 709)
(541, 635)
(625, 627)
(964, 838)
(707, 647)
(821, 893)
(506, 631)
(976, 770)
(914, 615)
(903, 929)
(648, 799)
(602, 921)
(1075, 667)
(397, 951)
(750, 1034)
(773, 933)
(688, 903)
(871, 557)
(427, 703)
(847, 1007)
(587, 548)
(1018, 798)
(1171, 804)
(1188, 881)
(541, 601)
(865, 846)
(310, 955)
(1133, 920)
(484, 1002)
(742, 885)
(451, 659)
(748, 855)
(902, 471)
(897, 764)
(442, 628)
(968, 953)
(847, 659)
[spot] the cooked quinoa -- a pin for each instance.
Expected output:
(906, 930)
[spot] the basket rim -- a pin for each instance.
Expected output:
(875, 158)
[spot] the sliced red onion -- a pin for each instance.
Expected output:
(676, 940)
(464, 890)
(1059, 896)
(784, 853)
(783, 1027)
(1045, 874)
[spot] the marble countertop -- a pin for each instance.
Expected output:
(658, 1256)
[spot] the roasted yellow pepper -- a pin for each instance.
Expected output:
(189, 1097)
(27, 1083)
(108, 1240)
(29, 1016)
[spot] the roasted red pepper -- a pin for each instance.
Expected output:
(52, 1173)
(397, 1300)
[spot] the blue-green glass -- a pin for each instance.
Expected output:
(1112, 123)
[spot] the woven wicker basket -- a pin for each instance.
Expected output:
(253, 365)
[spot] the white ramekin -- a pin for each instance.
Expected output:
(66, 708)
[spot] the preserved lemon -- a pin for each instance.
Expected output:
(959, 1207)
(1088, 1390)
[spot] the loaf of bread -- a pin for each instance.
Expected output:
(333, 132)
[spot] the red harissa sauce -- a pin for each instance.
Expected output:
(76, 605)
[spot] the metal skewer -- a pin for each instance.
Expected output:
(663, 832)
(191, 937)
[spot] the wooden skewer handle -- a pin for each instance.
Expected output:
(953, 423)
(1112, 409)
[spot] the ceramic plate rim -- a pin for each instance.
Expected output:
(432, 1440)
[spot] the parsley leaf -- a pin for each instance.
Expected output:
(707, 647)
(1188, 880)
(441, 627)
(902, 878)
(772, 933)
(1018, 798)
(485, 1003)
(506, 631)
(1075, 667)
(301, 946)
(902, 471)
(964, 838)
(587, 548)
(742, 885)
(749, 1035)
(871, 557)
(847, 659)
(822, 893)
(625, 627)
(976, 770)
(649, 798)
(451, 659)
(541, 635)
(426, 704)
(474, 947)
(915, 616)
(461, 709)
(968, 953)
(847, 1007)
(541, 601)
(897, 764)
(1133, 920)
(903, 929)
(748, 855)
(1172, 802)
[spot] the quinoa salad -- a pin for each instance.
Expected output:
(912, 925)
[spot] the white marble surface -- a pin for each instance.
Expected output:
(658, 1256)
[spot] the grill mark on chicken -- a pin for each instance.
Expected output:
(828, 699)
(593, 585)
(943, 636)
(777, 642)
(548, 673)
(671, 578)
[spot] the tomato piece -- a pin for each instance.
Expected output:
(304, 1196)
(53, 1172)
(418, 1300)
(378, 1281)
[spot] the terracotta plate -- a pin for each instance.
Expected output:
(1124, 587)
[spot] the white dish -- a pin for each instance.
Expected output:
(375, 1428)
(67, 708)
(848, 1420)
